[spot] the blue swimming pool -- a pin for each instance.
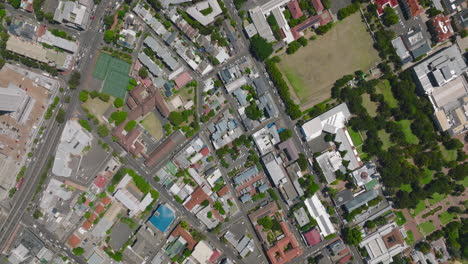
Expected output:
(162, 218)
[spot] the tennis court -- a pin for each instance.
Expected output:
(114, 73)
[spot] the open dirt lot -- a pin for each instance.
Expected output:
(313, 69)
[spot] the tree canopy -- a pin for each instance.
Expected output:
(260, 48)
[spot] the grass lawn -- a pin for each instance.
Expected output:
(362, 154)
(409, 238)
(355, 137)
(97, 107)
(419, 208)
(427, 227)
(385, 137)
(464, 182)
(409, 136)
(406, 188)
(152, 124)
(385, 89)
(436, 198)
(446, 218)
(312, 70)
(428, 175)
(448, 155)
(370, 106)
(400, 218)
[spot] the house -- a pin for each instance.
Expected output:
(330, 162)
(249, 182)
(301, 217)
(74, 14)
(381, 4)
(411, 43)
(453, 6)
(312, 237)
(319, 213)
(384, 243)
(411, 8)
(295, 9)
(266, 138)
(461, 19)
(46, 37)
(290, 149)
(440, 27)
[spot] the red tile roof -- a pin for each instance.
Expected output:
(315, 21)
(164, 148)
(106, 200)
(87, 225)
(179, 231)
(205, 151)
(41, 30)
(381, 4)
(295, 9)
(415, 8)
(441, 27)
(223, 191)
(100, 181)
(74, 241)
(92, 217)
(277, 253)
(313, 237)
(196, 198)
(215, 256)
(318, 6)
(182, 79)
(345, 259)
(99, 209)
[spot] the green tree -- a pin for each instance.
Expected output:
(60, 117)
(119, 117)
(108, 20)
(74, 80)
(390, 17)
(83, 96)
(260, 48)
(253, 112)
(15, 3)
(103, 131)
(176, 118)
(143, 73)
(118, 102)
(130, 125)
(78, 251)
(109, 36)
(423, 246)
(266, 222)
(285, 134)
(352, 236)
(302, 162)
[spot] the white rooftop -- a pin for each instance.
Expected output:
(319, 213)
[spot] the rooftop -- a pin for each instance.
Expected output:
(441, 27)
(319, 213)
(329, 122)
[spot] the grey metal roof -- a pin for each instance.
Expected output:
(11, 98)
(246, 175)
(150, 64)
(360, 200)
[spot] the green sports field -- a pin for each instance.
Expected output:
(114, 73)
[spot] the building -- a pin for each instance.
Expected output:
(453, 6)
(411, 8)
(153, 68)
(312, 22)
(203, 252)
(440, 69)
(162, 52)
(62, 61)
(361, 200)
(330, 162)
(384, 243)
(301, 217)
(46, 37)
(329, 122)
(165, 148)
(366, 176)
(200, 11)
(72, 143)
(461, 19)
(250, 182)
(440, 28)
(274, 168)
(73, 14)
(290, 149)
(295, 9)
(319, 213)
(243, 246)
(266, 103)
(412, 45)
(443, 78)
(312, 237)
(13, 99)
(381, 4)
(266, 138)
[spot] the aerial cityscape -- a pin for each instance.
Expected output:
(234, 131)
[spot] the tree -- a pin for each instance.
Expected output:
(266, 222)
(78, 251)
(74, 80)
(108, 21)
(424, 247)
(302, 162)
(260, 48)
(83, 96)
(118, 102)
(369, 224)
(60, 117)
(253, 112)
(352, 236)
(459, 172)
(119, 117)
(109, 36)
(130, 125)
(143, 73)
(176, 118)
(390, 17)
(303, 41)
(293, 47)
(103, 131)
(15, 3)
(285, 134)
